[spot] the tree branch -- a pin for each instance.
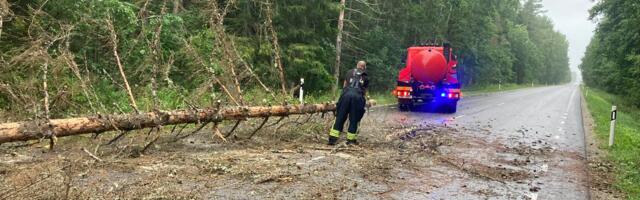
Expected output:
(114, 48)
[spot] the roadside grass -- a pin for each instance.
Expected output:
(625, 152)
(381, 98)
(385, 97)
(111, 99)
(114, 100)
(480, 89)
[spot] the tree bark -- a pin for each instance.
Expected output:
(336, 72)
(1, 25)
(30, 130)
(4, 12)
(45, 89)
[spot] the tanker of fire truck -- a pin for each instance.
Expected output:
(428, 79)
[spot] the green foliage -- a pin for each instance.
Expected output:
(498, 41)
(627, 141)
(482, 89)
(306, 61)
(612, 60)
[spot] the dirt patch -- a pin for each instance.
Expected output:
(494, 160)
(500, 173)
(517, 162)
(525, 150)
(288, 160)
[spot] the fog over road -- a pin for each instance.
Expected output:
(525, 144)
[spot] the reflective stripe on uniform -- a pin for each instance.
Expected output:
(334, 133)
(352, 136)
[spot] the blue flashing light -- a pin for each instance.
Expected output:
(443, 94)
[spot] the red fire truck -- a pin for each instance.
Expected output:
(428, 79)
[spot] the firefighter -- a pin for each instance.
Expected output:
(351, 104)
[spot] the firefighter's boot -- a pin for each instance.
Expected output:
(333, 137)
(352, 139)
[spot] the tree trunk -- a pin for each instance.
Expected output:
(1, 25)
(4, 11)
(276, 50)
(30, 130)
(336, 72)
(177, 6)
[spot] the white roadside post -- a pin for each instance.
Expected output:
(301, 91)
(586, 92)
(614, 114)
(500, 85)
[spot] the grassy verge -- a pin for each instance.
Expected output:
(385, 98)
(115, 100)
(479, 89)
(626, 151)
(381, 98)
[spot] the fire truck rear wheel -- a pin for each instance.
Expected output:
(450, 107)
(404, 107)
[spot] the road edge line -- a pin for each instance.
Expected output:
(586, 130)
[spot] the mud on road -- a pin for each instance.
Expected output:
(399, 158)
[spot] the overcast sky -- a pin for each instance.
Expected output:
(571, 18)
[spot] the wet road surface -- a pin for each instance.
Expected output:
(522, 144)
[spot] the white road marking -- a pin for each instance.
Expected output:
(571, 100)
(501, 104)
(458, 117)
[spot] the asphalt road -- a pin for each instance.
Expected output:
(521, 144)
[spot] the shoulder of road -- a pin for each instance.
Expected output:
(623, 155)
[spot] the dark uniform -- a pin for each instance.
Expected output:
(351, 104)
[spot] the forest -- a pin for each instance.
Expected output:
(612, 60)
(100, 56)
(611, 70)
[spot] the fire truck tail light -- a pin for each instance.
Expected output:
(402, 93)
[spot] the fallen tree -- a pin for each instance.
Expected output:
(38, 129)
